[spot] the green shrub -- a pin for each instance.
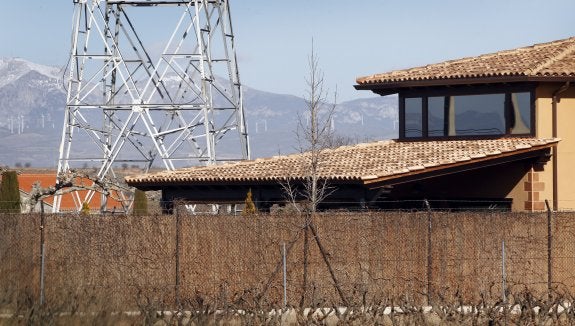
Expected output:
(140, 203)
(250, 207)
(10, 193)
(85, 209)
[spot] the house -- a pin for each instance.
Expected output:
(69, 203)
(492, 131)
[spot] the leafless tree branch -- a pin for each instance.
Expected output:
(315, 136)
(68, 184)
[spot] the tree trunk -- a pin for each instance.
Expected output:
(305, 261)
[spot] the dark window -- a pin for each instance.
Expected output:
(469, 112)
(413, 117)
(478, 114)
(436, 116)
(521, 113)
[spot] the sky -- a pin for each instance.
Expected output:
(351, 38)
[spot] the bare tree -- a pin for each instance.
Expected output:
(315, 136)
(68, 184)
(314, 132)
(340, 140)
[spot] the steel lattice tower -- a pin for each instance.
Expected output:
(173, 97)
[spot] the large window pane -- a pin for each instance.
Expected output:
(521, 109)
(435, 116)
(413, 117)
(479, 114)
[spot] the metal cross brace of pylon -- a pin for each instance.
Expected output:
(171, 94)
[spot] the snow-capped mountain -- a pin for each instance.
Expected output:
(12, 69)
(273, 120)
(32, 102)
(31, 95)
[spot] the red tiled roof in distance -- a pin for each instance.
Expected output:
(26, 181)
(550, 60)
(362, 163)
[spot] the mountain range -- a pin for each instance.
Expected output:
(33, 97)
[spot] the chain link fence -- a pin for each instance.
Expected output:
(127, 263)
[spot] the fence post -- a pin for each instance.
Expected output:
(178, 240)
(42, 253)
(549, 248)
(284, 254)
(503, 274)
(429, 252)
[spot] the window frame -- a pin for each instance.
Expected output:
(444, 92)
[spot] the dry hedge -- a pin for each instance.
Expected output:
(130, 263)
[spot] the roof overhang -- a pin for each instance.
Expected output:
(393, 87)
(539, 155)
(146, 186)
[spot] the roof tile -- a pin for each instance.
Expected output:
(552, 59)
(359, 163)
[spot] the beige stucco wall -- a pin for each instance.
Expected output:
(566, 148)
(512, 179)
(518, 192)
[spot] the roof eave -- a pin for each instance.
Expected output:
(159, 184)
(476, 163)
(386, 88)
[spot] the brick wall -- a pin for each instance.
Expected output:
(534, 186)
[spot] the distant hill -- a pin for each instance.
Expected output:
(32, 102)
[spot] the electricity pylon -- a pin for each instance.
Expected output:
(151, 81)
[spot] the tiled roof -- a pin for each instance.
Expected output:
(362, 163)
(26, 181)
(553, 59)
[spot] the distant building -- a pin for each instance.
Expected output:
(493, 131)
(26, 182)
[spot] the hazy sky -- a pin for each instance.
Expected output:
(352, 38)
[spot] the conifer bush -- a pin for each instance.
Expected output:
(85, 209)
(140, 203)
(250, 207)
(10, 193)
